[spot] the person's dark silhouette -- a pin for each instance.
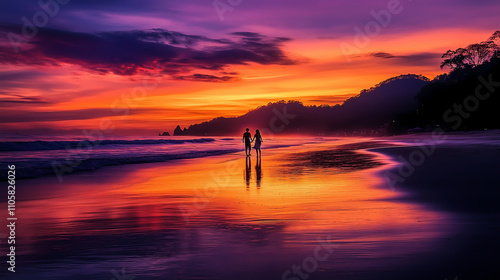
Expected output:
(248, 170)
(247, 139)
(258, 171)
(258, 141)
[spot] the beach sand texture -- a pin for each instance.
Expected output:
(325, 208)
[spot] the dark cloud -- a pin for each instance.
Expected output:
(229, 73)
(206, 78)
(7, 100)
(424, 58)
(12, 80)
(247, 34)
(132, 52)
(382, 55)
(7, 76)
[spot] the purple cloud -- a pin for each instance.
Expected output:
(131, 52)
(8, 99)
(206, 78)
(424, 58)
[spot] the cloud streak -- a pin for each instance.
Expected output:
(206, 78)
(424, 58)
(14, 99)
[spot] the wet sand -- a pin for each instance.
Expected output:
(231, 217)
(462, 180)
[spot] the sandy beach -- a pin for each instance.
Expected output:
(322, 211)
(460, 179)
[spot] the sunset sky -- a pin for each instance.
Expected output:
(146, 66)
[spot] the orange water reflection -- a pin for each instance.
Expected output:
(272, 216)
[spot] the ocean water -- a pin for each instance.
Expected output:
(43, 155)
(36, 156)
(231, 217)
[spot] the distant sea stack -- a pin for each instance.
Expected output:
(179, 132)
(164, 134)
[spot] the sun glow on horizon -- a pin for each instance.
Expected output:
(72, 90)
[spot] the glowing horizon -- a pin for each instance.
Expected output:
(49, 87)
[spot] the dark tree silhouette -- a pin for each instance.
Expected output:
(496, 38)
(441, 101)
(473, 55)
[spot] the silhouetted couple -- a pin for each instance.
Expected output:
(247, 139)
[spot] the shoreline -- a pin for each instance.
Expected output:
(457, 179)
(298, 194)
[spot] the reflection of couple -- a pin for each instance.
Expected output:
(247, 139)
(248, 171)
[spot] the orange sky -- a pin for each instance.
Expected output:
(65, 96)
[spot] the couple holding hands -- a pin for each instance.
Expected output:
(247, 139)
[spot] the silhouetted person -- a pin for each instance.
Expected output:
(247, 139)
(258, 141)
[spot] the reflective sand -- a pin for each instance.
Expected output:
(226, 217)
